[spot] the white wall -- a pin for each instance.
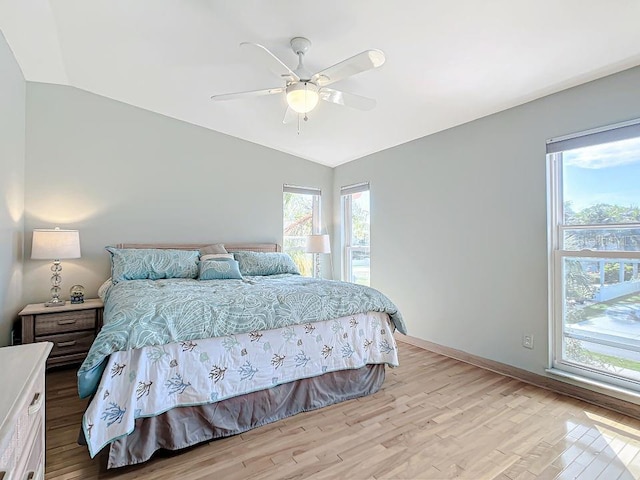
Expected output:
(458, 219)
(12, 161)
(118, 173)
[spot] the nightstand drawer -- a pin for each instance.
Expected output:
(53, 323)
(70, 343)
(72, 327)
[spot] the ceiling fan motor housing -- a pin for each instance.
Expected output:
(300, 45)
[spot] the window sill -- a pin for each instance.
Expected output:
(613, 390)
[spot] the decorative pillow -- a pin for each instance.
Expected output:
(215, 248)
(102, 290)
(219, 269)
(151, 263)
(265, 263)
(213, 256)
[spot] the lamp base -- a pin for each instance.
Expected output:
(316, 270)
(55, 302)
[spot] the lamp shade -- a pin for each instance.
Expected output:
(318, 244)
(302, 97)
(55, 244)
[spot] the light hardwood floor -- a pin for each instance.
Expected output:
(435, 418)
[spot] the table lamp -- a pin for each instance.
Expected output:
(55, 244)
(318, 244)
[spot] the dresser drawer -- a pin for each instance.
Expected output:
(8, 455)
(70, 343)
(22, 410)
(33, 467)
(30, 465)
(54, 323)
(31, 412)
(27, 431)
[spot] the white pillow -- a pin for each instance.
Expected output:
(213, 256)
(102, 291)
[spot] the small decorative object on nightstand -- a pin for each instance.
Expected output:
(71, 328)
(76, 294)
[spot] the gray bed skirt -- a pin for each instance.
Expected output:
(186, 426)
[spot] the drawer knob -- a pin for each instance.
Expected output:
(71, 321)
(36, 403)
(30, 476)
(70, 343)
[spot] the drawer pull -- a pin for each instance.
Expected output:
(70, 343)
(71, 321)
(36, 403)
(30, 476)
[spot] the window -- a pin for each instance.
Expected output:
(355, 233)
(595, 241)
(301, 217)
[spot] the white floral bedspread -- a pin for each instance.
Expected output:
(148, 381)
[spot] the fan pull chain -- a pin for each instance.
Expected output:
(305, 118)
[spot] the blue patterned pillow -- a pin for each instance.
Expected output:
(151, 263)
(265, 263)
(219, 269)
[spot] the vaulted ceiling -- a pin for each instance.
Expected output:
(448, 61)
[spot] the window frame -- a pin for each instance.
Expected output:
(557, 253)
(316, 211)
(346, 206)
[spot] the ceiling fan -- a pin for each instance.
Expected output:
(303, 89)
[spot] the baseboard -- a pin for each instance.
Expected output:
(596, 398)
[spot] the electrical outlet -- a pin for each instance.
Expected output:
(527, 341)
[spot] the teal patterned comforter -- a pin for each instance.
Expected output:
(141, 313)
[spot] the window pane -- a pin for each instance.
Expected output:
(604, 358)
(360, 266)
(356, 218)
(600, 183)
(620, 239)
(360, 219)
(601, 314)
(298, 223)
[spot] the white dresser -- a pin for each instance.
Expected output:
(22, 411)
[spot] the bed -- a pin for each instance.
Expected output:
(198, 345)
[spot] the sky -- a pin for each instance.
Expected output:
(608, 173)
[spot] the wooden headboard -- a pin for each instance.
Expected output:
(231, 247)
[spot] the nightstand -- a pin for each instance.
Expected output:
(71, 328)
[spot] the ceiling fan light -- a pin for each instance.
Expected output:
(302, 97)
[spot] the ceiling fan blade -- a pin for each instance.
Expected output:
(359, 63)
(290, 115)
(252, 93)
(272, 62)
(347, 99)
